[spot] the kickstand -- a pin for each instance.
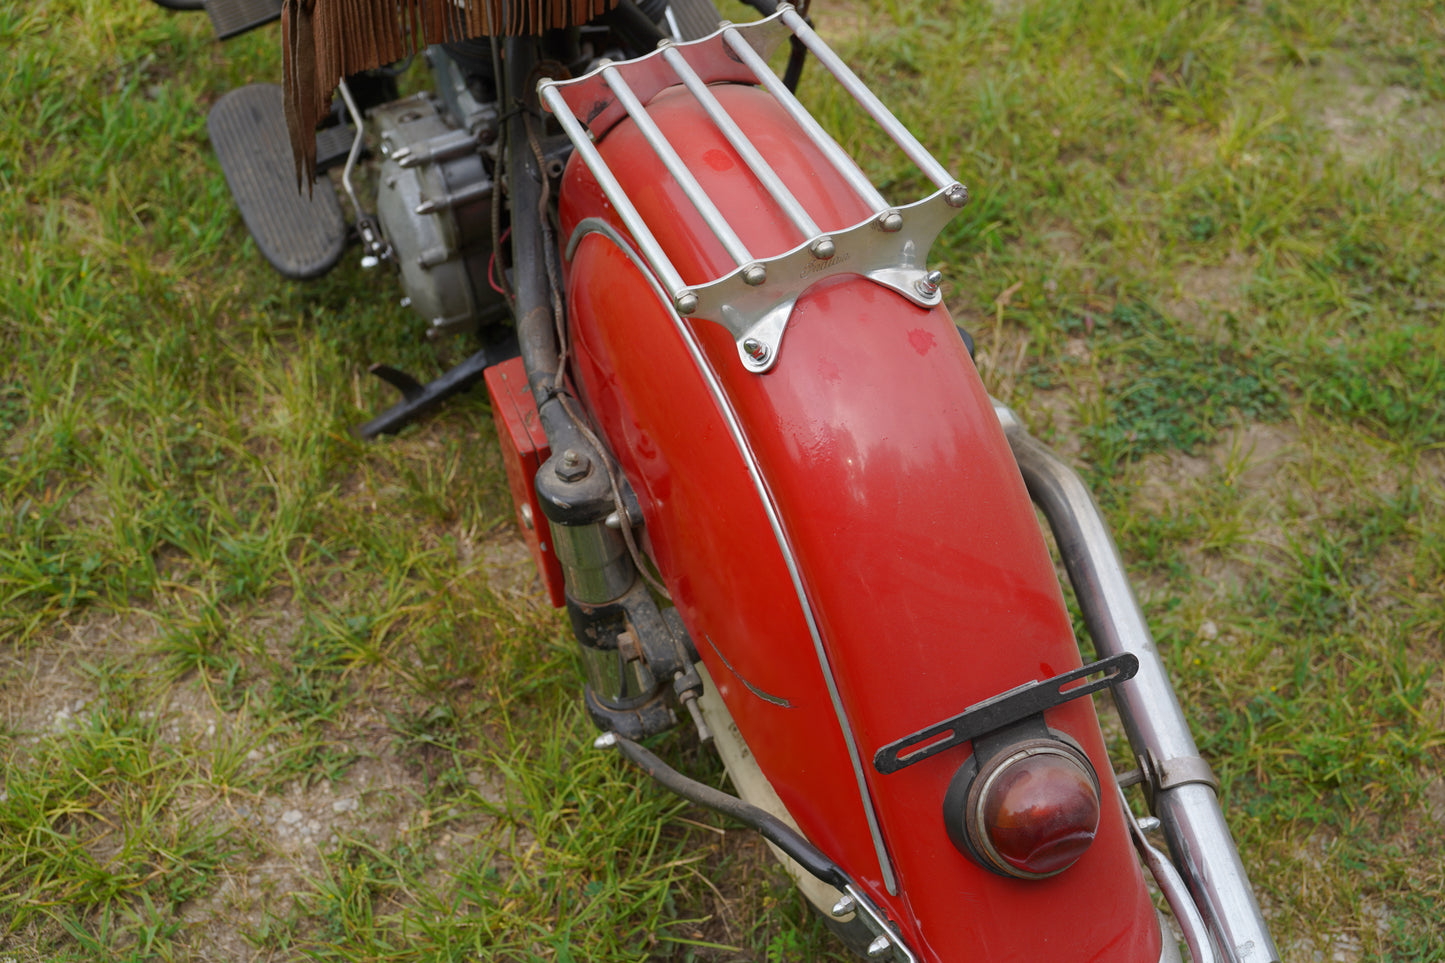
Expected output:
(418, 398)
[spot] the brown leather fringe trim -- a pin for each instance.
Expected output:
(326, 40)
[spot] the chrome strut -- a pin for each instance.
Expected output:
(1182, 788)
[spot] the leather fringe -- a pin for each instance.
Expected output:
(326, 40)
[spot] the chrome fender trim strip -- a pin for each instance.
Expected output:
(597, 226)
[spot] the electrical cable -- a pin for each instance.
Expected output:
(774, 830)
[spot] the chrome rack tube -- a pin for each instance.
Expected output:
(916, 152)
(844, 164)
(658, 142)
(1183, 794)
(646, 242)
(735, 136)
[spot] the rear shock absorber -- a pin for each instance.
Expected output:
(630, 648)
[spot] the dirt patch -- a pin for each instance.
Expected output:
(278, 839)
(289, 834)
(1169, 478)
(1062, 241)
(1253, 457)
(45, 688)
(1367, 118)
(1236, 483)
(506, 562)
(841, 22)
(1360, 121)
(1007, 8)
(1204, 293)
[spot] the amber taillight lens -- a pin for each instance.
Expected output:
(1031, 810)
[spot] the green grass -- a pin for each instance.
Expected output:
(1201, 260)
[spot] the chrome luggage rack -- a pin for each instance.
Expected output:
(755, 300)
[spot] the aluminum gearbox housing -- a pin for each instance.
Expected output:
(434, 194)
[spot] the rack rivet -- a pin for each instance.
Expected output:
(756, 350)
(890, 221)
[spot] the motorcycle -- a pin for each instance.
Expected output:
(753, 460)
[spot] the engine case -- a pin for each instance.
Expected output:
(433, 201)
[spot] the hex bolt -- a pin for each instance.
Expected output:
(879, 946)
(823, 248)
(754, 274)
(686, 303)
(956, 196)
(890, 221)
(844, 906)
(756, 350)
(928, 284)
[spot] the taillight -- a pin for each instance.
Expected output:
(1029, 810)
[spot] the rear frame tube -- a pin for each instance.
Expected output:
(1182, 788)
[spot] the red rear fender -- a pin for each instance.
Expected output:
(909, 528)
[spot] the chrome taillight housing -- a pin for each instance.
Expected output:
(1028, 809)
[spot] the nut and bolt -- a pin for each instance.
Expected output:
(844, 906)
(685, 303)
(823, 248)
(890, 221)
(756, 350)
(928, 284)
(879, 946)
(956, 196)
(574, 466)
(754, 274)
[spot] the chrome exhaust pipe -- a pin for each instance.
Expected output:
(1181, 787)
